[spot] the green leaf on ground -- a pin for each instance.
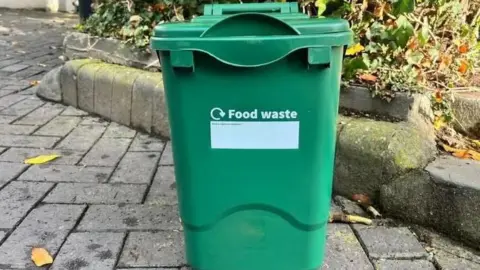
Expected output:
(403, 6)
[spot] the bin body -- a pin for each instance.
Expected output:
(252, 105)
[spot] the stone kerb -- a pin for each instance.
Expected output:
(128, 96)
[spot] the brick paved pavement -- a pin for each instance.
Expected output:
(110, 202)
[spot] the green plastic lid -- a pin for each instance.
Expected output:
(286, 12)
(250, 35)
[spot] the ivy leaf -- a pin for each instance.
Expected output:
(403, 6)
(414, 57)
(352, 65)
(321, 7)
(424, 34)
(403, 32)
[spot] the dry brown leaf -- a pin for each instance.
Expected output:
(412, 43)
(362, 199)
(463, 67)
(445, 62)
(41, 257)
(368, 77)
(462, 153)
(463, 48)
(33, 83)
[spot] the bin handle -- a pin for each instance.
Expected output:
(222, 9)
(226, 50)
(249, 47)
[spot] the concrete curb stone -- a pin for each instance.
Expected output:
(372, 153)
(446, 196)
(68, 80)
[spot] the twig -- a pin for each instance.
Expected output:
(341, 217)
(411, 17)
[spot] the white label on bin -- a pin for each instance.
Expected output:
(254, 135)
(254, 129)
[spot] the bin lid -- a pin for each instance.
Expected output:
(288, 13)
(251, 35)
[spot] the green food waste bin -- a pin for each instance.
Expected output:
(252, 94)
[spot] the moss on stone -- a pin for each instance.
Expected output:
(370, 153)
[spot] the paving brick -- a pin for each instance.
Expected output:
(19, 84)
(2, 235)
(71, 111)
(28, 72)
(5, 119)
(164, 188)
(142, 102)
(79, 193)
(404, 265)
(122, 96)
(9, 100)
(167, 155)
(27, 141)
(130, 217)
(46, 226)
(67, 173)
(82, 138)
(89, 251)
(2, 149)
(23, 107)
(103, 90)
(14, 68)
(88, 120)
(136, 167)
(343, 251)
(106, 152)
(148, 249)
(448, 261)
(7, 129)
(18, 155)
(5, 92)
(390, 243)
(29, 91)
(149, 268)
(85, 86)
(41, 115)
(17, 198)
(59, 126)
(9, 62)
(115, 130)
(144, 142)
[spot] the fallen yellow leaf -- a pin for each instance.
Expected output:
(41, 159)
(41, 257)
(476, 142)
(461, 154)
(355, 49)
(34, 83)
(438, 123)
